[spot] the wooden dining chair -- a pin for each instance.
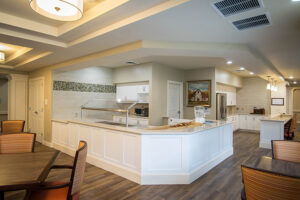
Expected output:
(12, 126)
(286, 150)
(17, 143)
(261, 185)
(60, 190)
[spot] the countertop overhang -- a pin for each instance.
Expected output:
(143, 131)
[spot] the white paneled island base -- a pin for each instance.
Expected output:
(148, 157)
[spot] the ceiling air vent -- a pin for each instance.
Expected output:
(251, 22)
(230, 7)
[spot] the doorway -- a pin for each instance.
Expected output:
(36, 108)
(175, 100)
(3, 98)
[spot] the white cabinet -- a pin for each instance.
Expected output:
(250, 122)
(132, 93)
(235, 121)
(231, 98)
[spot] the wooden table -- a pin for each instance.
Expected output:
(280, 167)
(24, 170)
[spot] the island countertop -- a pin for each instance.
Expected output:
(278, 118)
(143, 130)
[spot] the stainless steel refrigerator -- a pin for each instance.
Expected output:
(221, 106)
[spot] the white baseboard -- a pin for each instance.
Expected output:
(186, 178)
(49, 144)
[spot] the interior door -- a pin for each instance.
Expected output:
(36, 108)
(174, 100)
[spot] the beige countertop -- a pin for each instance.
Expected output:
(278, 118)
(142, 130)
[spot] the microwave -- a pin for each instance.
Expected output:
(144, 112)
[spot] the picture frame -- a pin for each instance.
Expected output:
(277, 101)
(198, 93)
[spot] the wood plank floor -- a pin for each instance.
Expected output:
(222, 182)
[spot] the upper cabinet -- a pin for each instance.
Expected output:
(133, 93)
(231, 98)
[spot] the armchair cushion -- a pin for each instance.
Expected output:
(52, 194)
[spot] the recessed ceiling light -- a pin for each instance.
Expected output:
(251, 73)
(295, 82)
(281, 77)
(229, 62)
(242, 68)
(291, 77)
(295, 0)
(3, 47)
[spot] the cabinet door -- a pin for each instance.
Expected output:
(233, 98)
(251, 121)
(127, 93)
(229, 101)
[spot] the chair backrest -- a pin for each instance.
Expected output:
(17, 143)
(78, 168)
(12, 126)
(294, 123)
(286, 150)
(260, 185)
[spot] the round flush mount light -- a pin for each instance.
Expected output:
(251, 73)
(3, 47)
(242, 68)
(229, 62)
(62, 10)
(291, 77)
(295, 82)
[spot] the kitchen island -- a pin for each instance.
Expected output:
(167, 156)
(272, 128)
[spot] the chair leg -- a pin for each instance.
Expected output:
(1, 195)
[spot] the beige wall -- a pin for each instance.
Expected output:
(201, 74)
(227, 78)
(158, 100)
(253, 94)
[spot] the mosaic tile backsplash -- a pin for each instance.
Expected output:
(83, 87)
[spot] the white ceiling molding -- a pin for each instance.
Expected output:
(34, 58)
(27, 36)
(6, 66)
(17, 54)
(27, 24)
(91, 14)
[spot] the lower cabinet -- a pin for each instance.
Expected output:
(103, 144)
(250, 122)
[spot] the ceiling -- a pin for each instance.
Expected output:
(180, 33)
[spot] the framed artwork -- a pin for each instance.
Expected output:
(277, 101)
(199, 93)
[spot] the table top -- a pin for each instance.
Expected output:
(25, 170)
(281, 167)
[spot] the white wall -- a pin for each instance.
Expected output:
(136, 73)
(227, 78)
(253, 94)
(158, 100)
(280, 93)
(66, 104)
